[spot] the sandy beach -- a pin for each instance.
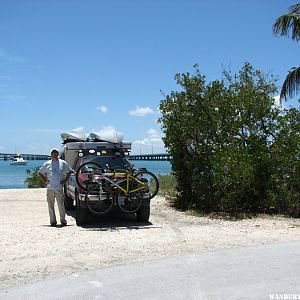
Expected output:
(31, 250)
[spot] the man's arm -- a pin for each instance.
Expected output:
(44, 179)
(63, 181)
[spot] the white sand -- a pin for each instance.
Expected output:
(31, 250)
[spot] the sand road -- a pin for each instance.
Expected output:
(31, 250)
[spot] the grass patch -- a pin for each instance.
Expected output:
(167, 185)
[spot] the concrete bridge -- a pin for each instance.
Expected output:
(26, 156)
(163, 156)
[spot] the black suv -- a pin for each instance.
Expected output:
(104, 155)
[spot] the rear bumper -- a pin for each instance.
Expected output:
(81, 197)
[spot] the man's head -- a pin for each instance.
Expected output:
(54, 154)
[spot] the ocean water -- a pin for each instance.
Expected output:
(13, 176)
(156, 167)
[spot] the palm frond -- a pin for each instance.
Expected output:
(289, 22)
(295, 8)
(291, 85)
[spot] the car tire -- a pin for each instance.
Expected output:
(143, 214)
(68, 202)
(81, 213)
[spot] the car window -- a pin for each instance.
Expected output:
(112, 161)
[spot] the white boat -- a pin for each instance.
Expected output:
(18, 160)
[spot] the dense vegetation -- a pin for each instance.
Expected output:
(233, 149)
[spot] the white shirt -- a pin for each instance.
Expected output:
(55, 171)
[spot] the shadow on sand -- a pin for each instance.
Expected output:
(113, 221)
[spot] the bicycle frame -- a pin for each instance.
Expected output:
(117, 184)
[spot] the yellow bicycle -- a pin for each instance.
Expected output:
(105, 188)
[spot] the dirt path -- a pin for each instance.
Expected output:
(31, 250)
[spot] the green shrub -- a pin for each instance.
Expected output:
(33, 180)
(233, 151)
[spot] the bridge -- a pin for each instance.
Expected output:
(26, 156)
(163, 156)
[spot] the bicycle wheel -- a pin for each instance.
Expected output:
(129, 203)
(86, 173)
(146, 184)
(99, 199)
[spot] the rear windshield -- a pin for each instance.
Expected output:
(112, 161)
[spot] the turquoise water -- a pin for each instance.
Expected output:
(156, 167)
(12, 177)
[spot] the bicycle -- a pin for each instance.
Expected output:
(105, 187)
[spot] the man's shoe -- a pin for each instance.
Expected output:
(53, 224)
(64, 224)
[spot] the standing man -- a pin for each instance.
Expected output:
(55, 173)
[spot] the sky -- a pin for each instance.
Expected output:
(105, 64)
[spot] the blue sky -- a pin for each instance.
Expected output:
(102, 64)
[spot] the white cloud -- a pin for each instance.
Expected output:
(152, 132)
(102, 109)
(141, 111)
(152, 143)
(277, 102)
(11, 59)
(19, 99)
(153, 138)
(276, 98)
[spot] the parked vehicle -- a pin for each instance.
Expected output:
(104, 179)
